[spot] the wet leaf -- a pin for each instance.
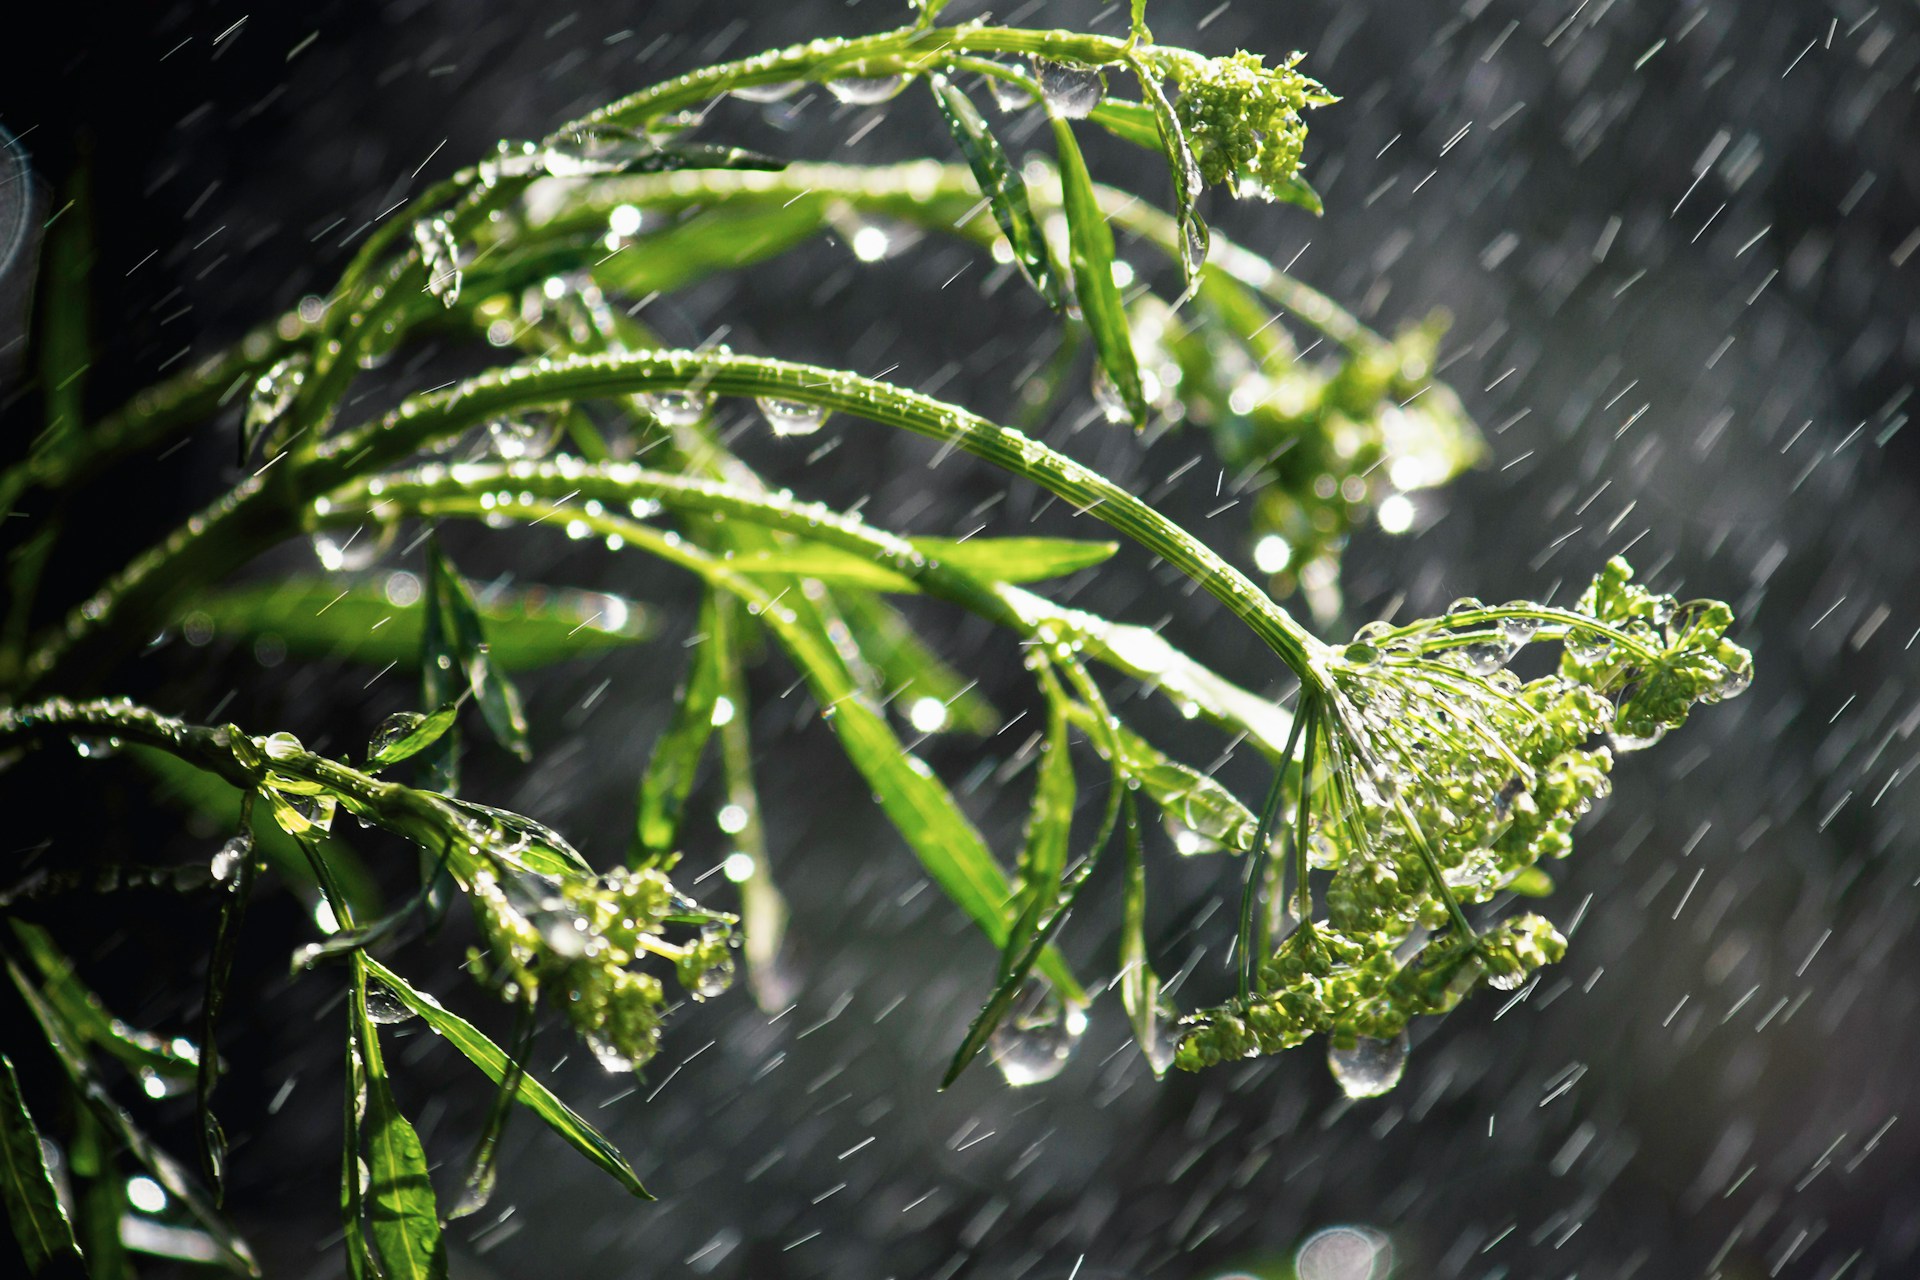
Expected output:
(40, 1226)
(1016, 559)
(830, 565)
(1139, 984)
(1129, 121)
(64, 1040)
(324, 618)
(1185, 795)
(466, 633)
(477, 1189)
(1185, 171)
(402, 1220)
(1049, 825)
(1090, 241)
(517, 839)
(675, 763)
(495, 1063)
(1000, 182)
(238, 891)
(407, 733)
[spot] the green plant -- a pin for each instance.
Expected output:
(1414, 778)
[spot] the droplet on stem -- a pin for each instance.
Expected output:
(1038, 1035)
(1072, 90)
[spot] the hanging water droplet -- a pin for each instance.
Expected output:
(865, 91)
(1009, 95)
(1370, 1068)
(592, 152)
(608, 1055)
(1163, 1040)
(227, 862)
(1190, 843)
(1625, 742)
(95, 746)
(350, 552)
(441, 258)
(1196, 240)
(715, 980)
(1730, 685)
(771, 91)
(791, 417)
(524, 439)
(1519, 631)
(386, 1008)
(1113, 405)
(1484, 658)
(677, 408)
(1588, 646)
(1038, 1035)
(1070, 89)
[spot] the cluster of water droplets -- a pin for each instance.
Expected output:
(440, 256)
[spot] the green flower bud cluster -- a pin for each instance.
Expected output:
(1242, 120)
(1440, 779)
(1352, 987)
(577, 939)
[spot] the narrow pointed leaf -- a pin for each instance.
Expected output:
(675, 763)
(226, 944)
(40, 1225)
(404, 739)
(99, 1197)
(1090, 241)
(1017, 559)
(478, 1187)
(61, 324)
(466, 632)
(1129, 121)
(92, 1022)
(323, 618)
(534, 846)
(1185, 171)
(1139, 984)
(830, 565)
(1049, 825)
(495, 1063)
(1185, 795)
(908, 669)
(1001, 184)
(402, 1220)
(65, 1042)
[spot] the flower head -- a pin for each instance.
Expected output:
(1243, 121)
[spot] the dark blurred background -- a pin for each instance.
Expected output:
(1679, 242)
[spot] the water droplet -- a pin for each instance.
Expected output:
(715, 980)
(1009, 95)
(350, 552)
(1344, 1253)
(928, 715)
(772, 91)
(1070, 89)
(441, 258)
(677, 408)
(1465, 604)
(738, 867)
(1113, 406)
(386, 1008)
(393, 729)
(1038, 1035)
(1519, 631)
(611, 1060)
(146, 1195)
(95, 746)
(1731, 685)
(1370, 1068)
(593, 152)
(1625, 742)
(791, 417)
(524, 439)
(1272, 554)
(227, 862)
(1508, 981)
(865, 91)
(1484, 658)
(282, 746)
(731, 819)
(273, 394)
(1588, 646)
(1163, 1039)
(1360, 655)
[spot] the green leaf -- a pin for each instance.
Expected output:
(830, 565)
(1139, 984)
(1297, 191)
(407, 733)
(478, 1187)
(908, 670)
(92, 1022)
(1016, 559)
(535, 846)
(1185, 170)
(61, 323)
(711, 240)
(402, 1220)
(675, 763)
(493, 1061)
(918, 804)
(1043, 860)
(1000, 182)
(99, 1197)
(328, 619)
(65, 1042)
(40, 1225)
(466, 632)
(237, 889)
(1185, 795)
(1148, 656)
(1090, 241)
(1128, 121)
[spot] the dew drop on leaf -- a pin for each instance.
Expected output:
(791, 417)
(865, 91)
(386, 1008)
(350, 552)
(773, 91)
(677, 408)
(1625, 742)
(1072, 91)
(1370, 1068)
